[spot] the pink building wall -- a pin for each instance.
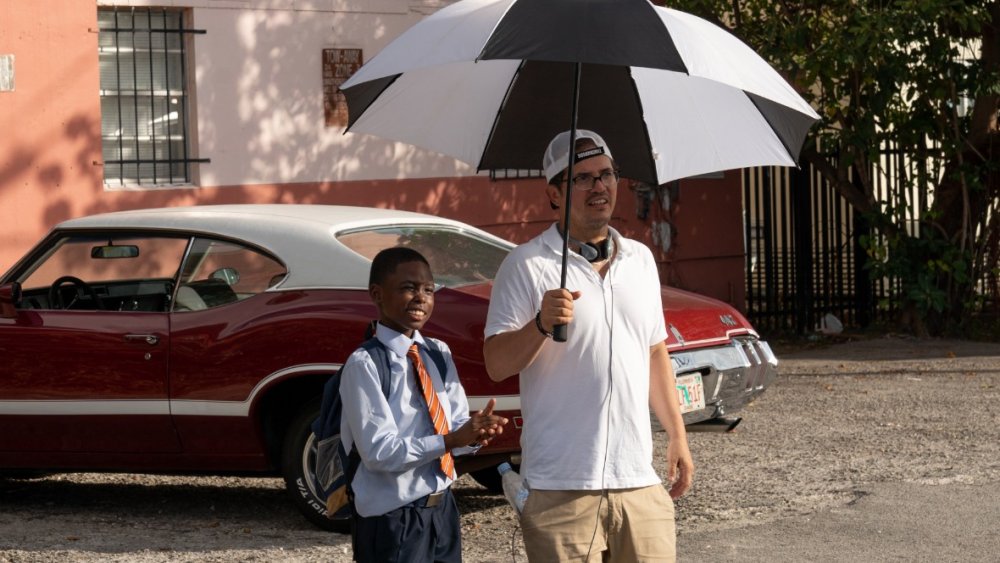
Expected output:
(50, 154)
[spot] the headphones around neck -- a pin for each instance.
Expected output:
(595, 251)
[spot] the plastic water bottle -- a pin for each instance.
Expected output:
(513, 486)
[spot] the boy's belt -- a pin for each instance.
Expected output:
(430, 500)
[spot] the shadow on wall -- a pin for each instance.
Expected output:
(265, 103)
(260, 95)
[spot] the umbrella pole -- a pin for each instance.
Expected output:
(559, 332)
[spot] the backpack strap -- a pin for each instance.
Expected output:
(377, 351)
(378, 354)
(437, 356)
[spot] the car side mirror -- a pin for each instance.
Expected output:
(10, 299)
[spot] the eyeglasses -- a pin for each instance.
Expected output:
(585, 182)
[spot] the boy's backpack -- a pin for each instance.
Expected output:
(334, 468)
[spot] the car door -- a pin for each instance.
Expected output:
(86, 356)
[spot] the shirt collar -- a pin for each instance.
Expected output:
(398, 342)
(554, 241)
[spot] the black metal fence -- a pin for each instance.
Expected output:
(804, 255)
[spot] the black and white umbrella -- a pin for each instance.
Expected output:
(491, 82)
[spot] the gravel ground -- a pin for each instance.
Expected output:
(838, 419)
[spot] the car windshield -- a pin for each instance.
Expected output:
(96, 258)
(457, 257)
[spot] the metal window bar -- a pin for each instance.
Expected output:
(135, 93)
(166, 80)
(514, 174)
(184, 105)
(118, 81)
(152, 92)
(156, 40)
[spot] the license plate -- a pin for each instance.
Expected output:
(691, 392)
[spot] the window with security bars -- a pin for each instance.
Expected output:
(144, 97)
(511, 174)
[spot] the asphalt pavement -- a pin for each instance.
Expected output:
(912, 522)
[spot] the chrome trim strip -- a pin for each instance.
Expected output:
(154, 407)
(160, 407)
(185, 407)
(504, 402)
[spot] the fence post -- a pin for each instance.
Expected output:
(801, 189)
(863, 287)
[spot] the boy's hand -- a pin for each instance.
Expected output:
(481, 427)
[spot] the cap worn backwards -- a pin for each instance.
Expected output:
(556, 157)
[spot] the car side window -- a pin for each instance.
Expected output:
(106, 272)
(217, 273)
(456, 257)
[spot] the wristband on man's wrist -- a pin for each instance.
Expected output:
(541, 329)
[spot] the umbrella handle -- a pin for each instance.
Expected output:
(559, 333)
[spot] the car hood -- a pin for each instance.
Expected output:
(695, 321)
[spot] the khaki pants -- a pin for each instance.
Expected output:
(621, 525)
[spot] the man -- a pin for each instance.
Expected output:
(586, 441)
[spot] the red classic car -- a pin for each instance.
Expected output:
(198, 339)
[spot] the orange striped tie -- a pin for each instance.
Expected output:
(434, 408)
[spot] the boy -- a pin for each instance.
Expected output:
(404, 508)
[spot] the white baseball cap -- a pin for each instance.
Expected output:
(556, 157)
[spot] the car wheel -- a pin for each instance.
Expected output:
(490, 478)
(297, 459)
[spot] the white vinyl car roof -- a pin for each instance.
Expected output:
(303, 237)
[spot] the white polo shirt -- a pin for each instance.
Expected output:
(585, 402)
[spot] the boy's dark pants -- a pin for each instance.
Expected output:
(415, 533)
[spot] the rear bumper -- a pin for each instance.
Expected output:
(733, 374)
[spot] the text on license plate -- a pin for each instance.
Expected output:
(691, 392)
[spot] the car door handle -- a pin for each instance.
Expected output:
(150, 339)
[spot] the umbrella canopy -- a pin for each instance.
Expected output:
(490, 82)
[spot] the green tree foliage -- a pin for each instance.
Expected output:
(922, 79)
